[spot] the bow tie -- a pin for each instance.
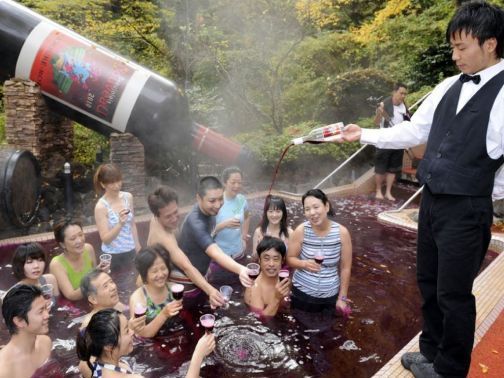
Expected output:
(464, 78)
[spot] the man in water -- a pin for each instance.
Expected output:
(163, 204)
(268, 292)
(100, 291)
(196, 236)
(462, 123)
(26, 315)
(388, 162)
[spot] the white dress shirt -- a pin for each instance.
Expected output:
(415, 132)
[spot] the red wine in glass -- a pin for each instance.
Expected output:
(283, 274)
(319, 259)
(207, 321)
(177, 291)
(253, 270)
(140, 310)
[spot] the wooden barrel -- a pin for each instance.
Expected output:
(20, 184)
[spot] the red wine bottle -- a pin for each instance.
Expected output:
(100, 89)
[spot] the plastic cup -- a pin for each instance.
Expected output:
(283, 274)
(226, 292)
(105, 261)
(140, 310)
(47, 293)
(207, 321)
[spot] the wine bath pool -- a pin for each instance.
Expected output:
(385, 317)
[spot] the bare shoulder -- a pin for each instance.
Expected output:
(344, 231)
(44, 344)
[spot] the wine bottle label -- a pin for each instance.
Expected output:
(81, 75)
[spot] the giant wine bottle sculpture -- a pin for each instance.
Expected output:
(98, 88)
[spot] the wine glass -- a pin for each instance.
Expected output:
(177, 291)
(105, 261)
(226, 292)
(253, 270)
(207, 321)
(47, 293)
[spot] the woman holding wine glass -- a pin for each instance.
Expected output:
(320, 251)
(155, 296)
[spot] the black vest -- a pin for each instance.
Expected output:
(456, 159)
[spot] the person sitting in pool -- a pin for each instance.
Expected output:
(26, 315)
(319, 286)
(154, 296)
(196, 235)
(268, 292)
(163, 204)
(28, 265)
(108, 338)
(77, 259)
(273, 222)
(101, 292)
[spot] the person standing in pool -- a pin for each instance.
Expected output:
(462, 123)
(273, 222)
(163, 204)
(26, 315)
(320, 251)
(196, 235)
(114, 216)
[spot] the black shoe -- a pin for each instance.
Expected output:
(424, 371)
(410, 358)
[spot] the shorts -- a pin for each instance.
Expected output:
(307, 303)
(388, 161)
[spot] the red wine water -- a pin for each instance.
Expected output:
(277, 167)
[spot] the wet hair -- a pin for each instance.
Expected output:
(86, 284)
(317, 193)
(481, 20)
(18, 302)
(208, 183)
(161, 197)
(60, 228)
(399, 85)
(104, 329)
(226, 173)
(24, 252)
(273, 203)
(146, 257)
(106, 174)
(270, 242)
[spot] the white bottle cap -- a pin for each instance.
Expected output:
(298, 140)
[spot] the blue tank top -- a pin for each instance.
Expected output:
(326, 282)
(124, 241)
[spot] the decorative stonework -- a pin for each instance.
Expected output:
(31, 125)
(128, 153)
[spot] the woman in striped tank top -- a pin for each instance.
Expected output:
(320, 251)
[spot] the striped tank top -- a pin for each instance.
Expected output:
(124, 241)
(326, 282)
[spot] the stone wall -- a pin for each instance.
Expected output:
(31, 125)
(128, 153)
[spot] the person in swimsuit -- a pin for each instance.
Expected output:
(114, 216)
(77, 259)
(154, 295)
(28, 265)
(109, 338)
(26, 316)
(273, 222)
(268, 292)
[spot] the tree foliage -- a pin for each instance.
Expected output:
(261, 70)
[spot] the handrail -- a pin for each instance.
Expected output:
(354, 155)
(408, 201)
